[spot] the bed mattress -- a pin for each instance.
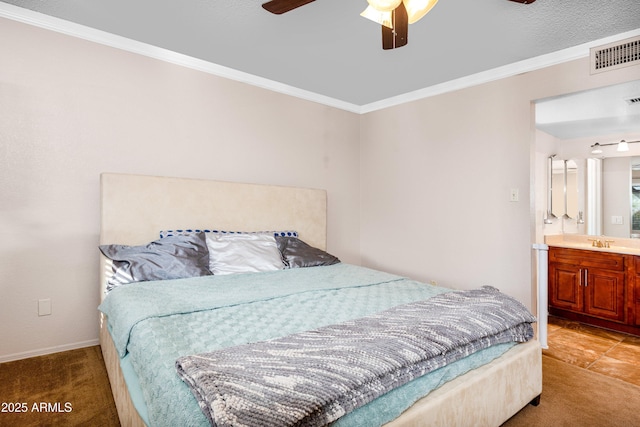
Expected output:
(154, 323)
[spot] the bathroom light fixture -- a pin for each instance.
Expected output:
(622, 146)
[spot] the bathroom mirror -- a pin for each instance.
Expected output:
(569, 126)
(557, 188)
(635, 197)
(617, 195)
(563, 189)
(571, 189)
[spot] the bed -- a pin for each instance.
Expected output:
(134, 209)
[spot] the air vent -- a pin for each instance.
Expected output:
(633, 100)
(615, 55)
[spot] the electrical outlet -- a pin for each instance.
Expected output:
(514, 195)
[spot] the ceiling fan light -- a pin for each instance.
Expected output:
(623, 146)
(382, 18)
(384, 5)
(416, 9)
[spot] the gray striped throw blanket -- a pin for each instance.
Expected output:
(315, 377)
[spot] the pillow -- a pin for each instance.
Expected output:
(174, 257)
(243, 253)
(297, 253)
(167, 233)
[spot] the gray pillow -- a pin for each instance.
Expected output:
(173, 257)
(297, 253)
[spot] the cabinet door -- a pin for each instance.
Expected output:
(604, 294)
(637, 299)
(565, 287)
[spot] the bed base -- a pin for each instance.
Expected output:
(127, 413)
(487, 396)
(536, 400)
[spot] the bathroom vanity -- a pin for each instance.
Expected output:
(595, 281)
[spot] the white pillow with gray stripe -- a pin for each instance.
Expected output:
(243, 253)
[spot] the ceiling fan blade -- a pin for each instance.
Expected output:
(524, 1)
(281, 6)
(398, 36)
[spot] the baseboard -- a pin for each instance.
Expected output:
(48, 350)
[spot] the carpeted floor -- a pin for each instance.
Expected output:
(74, 389)
(70, 388)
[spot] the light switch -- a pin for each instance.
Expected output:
(515, 195)
(44, 307)
(616, 219)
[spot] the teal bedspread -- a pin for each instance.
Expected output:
(154, 323)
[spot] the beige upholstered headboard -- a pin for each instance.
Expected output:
(134, 208)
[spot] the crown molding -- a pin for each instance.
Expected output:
(97, 36)
(62, 26)
(509, 70)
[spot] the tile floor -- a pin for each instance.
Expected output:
(608, 352)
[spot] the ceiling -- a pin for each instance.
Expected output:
(325, 51)
(327, 48)
(597, 112)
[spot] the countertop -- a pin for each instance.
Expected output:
(618, 245)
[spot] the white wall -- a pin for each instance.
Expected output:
(71, 109)
(421, 189)
(437, 174)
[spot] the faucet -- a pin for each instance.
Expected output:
(597, 243)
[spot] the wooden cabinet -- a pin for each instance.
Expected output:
(604, 294)
(565, 287)
(595, 287)
(636, 272)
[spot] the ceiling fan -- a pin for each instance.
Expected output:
(394, 15)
